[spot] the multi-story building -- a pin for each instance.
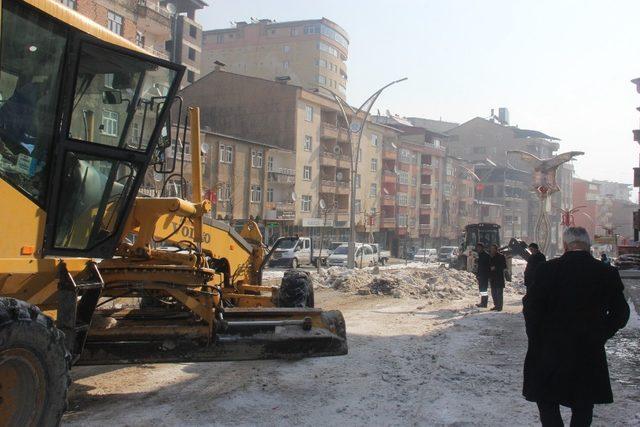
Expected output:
(459, 207)
(167, 29)
(508, 181)
(309, 125)
(310, 53)
(243, 179)
(412, 187)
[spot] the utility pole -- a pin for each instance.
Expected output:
(356, 127)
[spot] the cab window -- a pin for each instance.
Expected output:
(118, 99)
(31, 55)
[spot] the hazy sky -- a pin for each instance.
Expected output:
(562, 67)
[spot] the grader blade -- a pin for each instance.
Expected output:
(244, 334)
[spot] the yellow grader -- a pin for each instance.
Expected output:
(92, 273)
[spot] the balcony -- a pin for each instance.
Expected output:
(388, 177)
(424, 228)
(281, 177)
(158, 52)
(388, 223)
(328, 159)
(388, 200)
(150, 14)
(343, 161)
(327, 186)
(426, 168)
(328, 131)
(343, 187)
(425, 208)
(343, 135)
(389, 153)
(426, 188)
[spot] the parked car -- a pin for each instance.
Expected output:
(364, 256)
(449, 254)
(292, 253)
(426, 255)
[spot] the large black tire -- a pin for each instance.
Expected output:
(34, 366)
(296, 290)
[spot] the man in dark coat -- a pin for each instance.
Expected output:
(497, 266)
(483, 275)
(572, 308)
(535, 259)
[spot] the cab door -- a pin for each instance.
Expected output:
(112, 108)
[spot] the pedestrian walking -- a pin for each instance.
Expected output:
(497, 267)
(535, 259)
(574, 305)
(482, 274)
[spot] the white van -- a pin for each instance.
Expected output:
(426, 255)
(364, 256)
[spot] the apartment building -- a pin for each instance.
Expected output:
(166, 29)
(309, 125)
(242, 178)
(508, 182)
(459, 207)
(310, 53)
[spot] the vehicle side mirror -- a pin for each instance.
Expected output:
(111, 97)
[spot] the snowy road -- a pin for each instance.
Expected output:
(408, 364)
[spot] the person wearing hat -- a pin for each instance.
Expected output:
(535, 259)
(482, 274)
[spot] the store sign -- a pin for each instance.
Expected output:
(317, 222)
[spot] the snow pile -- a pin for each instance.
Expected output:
(424, 283)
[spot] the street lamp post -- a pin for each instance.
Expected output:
(356, 127)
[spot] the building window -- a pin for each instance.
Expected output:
(193, 31)
(114, 22)
(139, 39)
(256, 194)
(312, 29)
(403, 199)
(358, 180)
(71, 4)
(306, 204)
(224, 192)
(308, 140)
(220, 38)
(191, 76)
(270, 164)
(374, 139)
(322, 79)
(192, 54)
(328, 49)
(405, 155)
(306, 173)
(285, 64)
(226, 153)
(286, 48)
(403, 177)
(257, 159)
(321, 63)
(373, 190)
(374, 165)
(293, 32)
(358, 206)
(308, 113)
(269, 195)
(109, 123)
(108, 80)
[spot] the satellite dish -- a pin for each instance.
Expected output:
(355, 127)
(293, 196)
(339, 176)
(337, 150)
(171, 8)
(204, 148)
(323, 205)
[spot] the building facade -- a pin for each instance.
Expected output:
(311, 53)
(166, 29)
